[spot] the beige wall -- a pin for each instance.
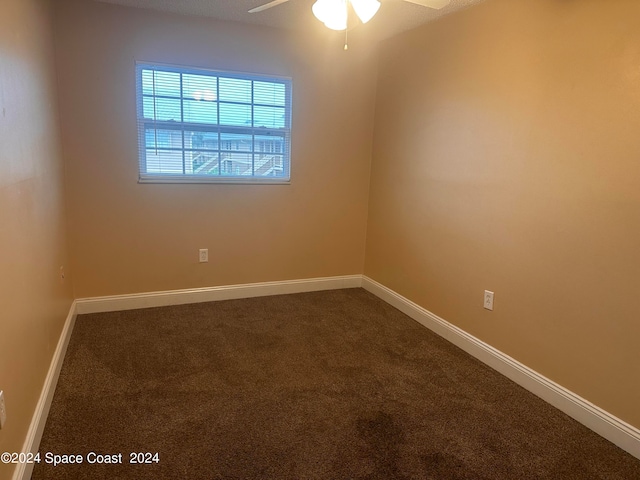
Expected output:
(507, 157)
(34, 300)
(128, 237)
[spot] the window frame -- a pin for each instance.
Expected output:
(143, 124)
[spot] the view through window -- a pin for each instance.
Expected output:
(205, 125)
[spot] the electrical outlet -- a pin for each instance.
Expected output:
(204, 255)
(488, 300)
(3, 410)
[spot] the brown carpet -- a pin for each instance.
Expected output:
(326, 385)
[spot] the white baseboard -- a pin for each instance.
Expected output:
(34, 435)
(210, 294)
(608, 426)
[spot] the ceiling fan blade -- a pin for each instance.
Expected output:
(437, 4)
(267, 5)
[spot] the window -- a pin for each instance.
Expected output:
(210, 126)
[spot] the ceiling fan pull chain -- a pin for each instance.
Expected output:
(346, 30)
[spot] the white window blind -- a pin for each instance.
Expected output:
(211, 126)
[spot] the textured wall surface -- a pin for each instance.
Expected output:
(505, 158)
(128, 237)
(34, 300)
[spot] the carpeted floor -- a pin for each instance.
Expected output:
(326, 385)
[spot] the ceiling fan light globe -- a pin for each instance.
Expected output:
(333, 13)
(333, 25)
(365, 9)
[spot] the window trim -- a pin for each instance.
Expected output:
(142, 123)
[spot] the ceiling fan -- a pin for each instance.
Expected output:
(334, 13)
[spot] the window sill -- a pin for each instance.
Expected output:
(195, 179)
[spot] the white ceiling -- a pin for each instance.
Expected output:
(394, 16)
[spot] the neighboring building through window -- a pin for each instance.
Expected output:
(212, 126)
